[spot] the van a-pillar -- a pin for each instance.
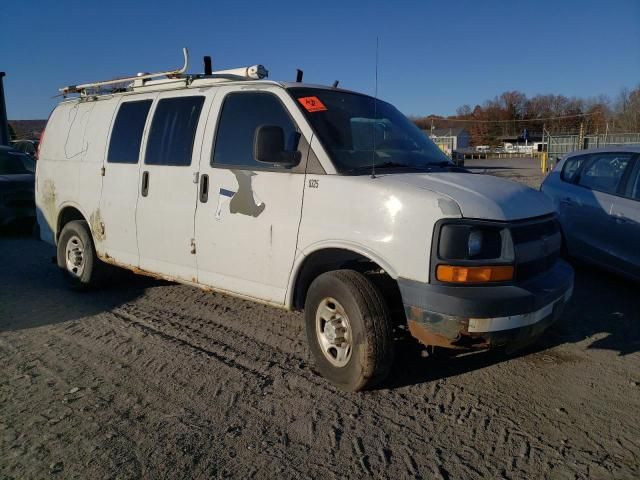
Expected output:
(4, 124)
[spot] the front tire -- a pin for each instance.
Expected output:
(77, 257)
(349, 330)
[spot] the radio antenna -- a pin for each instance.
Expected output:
(375, 116)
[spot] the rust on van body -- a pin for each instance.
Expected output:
(97, 226)
(49, 201)
(106, 258)
(449, 334)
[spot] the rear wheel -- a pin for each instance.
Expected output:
(349, 330)
(77, 256)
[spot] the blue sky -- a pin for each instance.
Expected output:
(434, 56)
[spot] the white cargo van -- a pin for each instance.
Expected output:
(303, 197)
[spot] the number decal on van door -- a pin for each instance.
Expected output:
(313, 183)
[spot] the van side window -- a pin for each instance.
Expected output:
(126, 134)
(241, 114)
(173, 131)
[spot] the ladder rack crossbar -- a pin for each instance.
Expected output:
(85, 86)
(254, 72)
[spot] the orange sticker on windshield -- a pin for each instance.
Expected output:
(312, 104)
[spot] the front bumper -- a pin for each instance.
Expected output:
(485, 316)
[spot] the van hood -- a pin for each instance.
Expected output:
(480, 196)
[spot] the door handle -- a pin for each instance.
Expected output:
(204, 188)
(566, 201)
(144, 188)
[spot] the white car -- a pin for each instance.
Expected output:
(302, 197)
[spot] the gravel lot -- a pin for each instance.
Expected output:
(524, 170)
(158, 380)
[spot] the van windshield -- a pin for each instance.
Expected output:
(350, 125)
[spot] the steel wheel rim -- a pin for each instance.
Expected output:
(333, 331)
(74, 255)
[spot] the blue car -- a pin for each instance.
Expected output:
(17, 181)
(597, 196)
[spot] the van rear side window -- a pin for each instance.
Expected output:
(126, 135)
(173, 131)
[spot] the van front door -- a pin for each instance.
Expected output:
(248, 212)
(168, 187)
(116, 225)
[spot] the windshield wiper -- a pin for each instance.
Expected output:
(383, 165)
(391, 164)
(394, 164)
(443, 163)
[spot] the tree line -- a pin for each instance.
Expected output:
(509, 114)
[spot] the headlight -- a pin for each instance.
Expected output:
(471, 242)
(473, 251)
(475, 243)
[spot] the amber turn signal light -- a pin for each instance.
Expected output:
(453, 274)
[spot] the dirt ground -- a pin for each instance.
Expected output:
(150, 379)
(524, 170)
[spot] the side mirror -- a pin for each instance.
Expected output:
(268, 147)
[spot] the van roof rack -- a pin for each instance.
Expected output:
(255, 72)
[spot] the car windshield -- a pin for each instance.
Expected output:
(359, 131)
(13, 162)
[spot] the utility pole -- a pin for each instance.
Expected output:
(581, 136)
(543, 152)
(4, 123)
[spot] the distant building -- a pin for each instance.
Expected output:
(449, 139)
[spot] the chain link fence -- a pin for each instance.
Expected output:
(560, 145)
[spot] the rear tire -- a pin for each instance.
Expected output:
(81, 267)
(349, 330)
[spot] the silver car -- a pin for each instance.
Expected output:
(597, 196)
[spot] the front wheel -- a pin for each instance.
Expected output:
(349, 330)
(77, 256)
